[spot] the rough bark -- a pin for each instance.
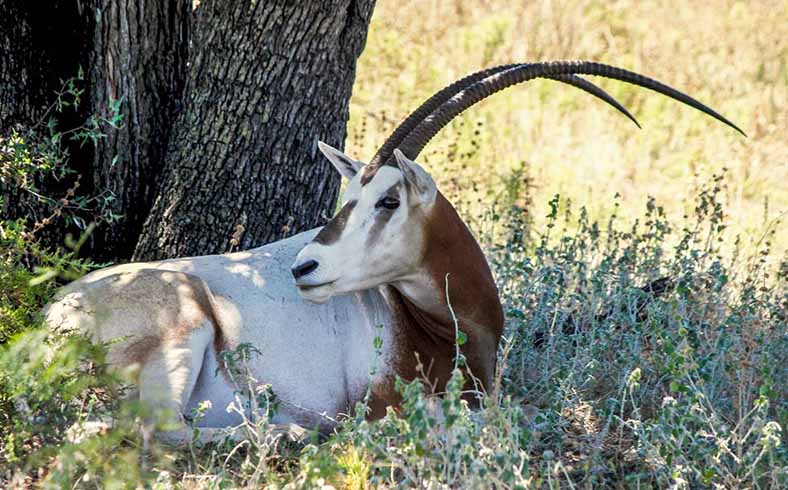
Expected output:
(266, 80)
(228, 140)
(31, 64)
(21, 81)
(139, 57)
(39, 49)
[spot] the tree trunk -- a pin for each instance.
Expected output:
(39, 49)
(266, 80)
(138, 58)
(227, 140)
(32, 66)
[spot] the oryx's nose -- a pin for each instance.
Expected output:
(307, 267)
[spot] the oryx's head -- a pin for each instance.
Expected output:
(378, 234)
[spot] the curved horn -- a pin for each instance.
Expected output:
(384, 153)
(415, 141)
(592, 89)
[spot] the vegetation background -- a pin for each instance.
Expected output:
(732, 55)
(599, 386)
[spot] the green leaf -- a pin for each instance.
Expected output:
(462, 337)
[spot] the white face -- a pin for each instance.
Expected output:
(376, 237)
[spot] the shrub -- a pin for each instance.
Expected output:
(601, 381)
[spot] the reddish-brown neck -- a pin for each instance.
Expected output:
(424, 315)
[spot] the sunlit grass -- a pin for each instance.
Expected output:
(731, 55)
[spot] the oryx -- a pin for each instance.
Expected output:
(396, 262)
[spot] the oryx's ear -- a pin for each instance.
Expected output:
(418, 180)
(346, 165)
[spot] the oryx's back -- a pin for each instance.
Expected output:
(316, 357)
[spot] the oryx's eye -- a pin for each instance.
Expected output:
(388, 203)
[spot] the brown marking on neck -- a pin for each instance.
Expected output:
(451, 249)
(333, 230)
(427, 337)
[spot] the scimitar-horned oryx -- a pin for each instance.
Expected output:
(396, 262)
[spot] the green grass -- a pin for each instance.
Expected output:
(600, 385)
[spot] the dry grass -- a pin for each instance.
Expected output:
(732, 55)
(593, 390)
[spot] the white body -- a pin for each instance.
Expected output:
(311, 306)
(317, 357)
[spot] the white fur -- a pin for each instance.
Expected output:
(318, 358)
(316, 354)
